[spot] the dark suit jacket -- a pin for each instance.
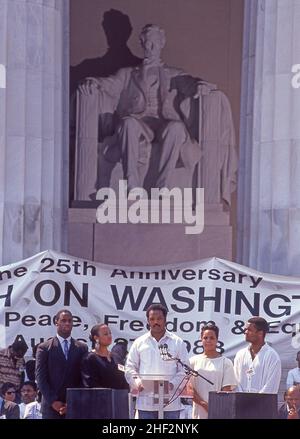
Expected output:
(10, 409)
(54, 374)
(283, 412)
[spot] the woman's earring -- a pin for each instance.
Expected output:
(97, 345)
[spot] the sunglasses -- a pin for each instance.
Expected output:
(9, 392)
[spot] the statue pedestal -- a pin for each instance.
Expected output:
(147, 244)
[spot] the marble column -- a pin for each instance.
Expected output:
(33, 127)
(269, 172)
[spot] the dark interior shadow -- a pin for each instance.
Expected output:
(117, 28)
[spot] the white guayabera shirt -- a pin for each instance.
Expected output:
(260, 375)
(144, 358)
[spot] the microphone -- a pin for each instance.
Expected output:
(167, 353)
(164, 352)
(166, 356)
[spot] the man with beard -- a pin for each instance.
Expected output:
(257, 367)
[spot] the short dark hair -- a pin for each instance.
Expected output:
(6, 386)
(31, 384)
(57, 316)
(157, 307)
(260, 323)
(210, 327)
(95, 331)
(19, 346)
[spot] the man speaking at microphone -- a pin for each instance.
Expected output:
(155, 353)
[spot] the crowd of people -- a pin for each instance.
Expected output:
(63, 362)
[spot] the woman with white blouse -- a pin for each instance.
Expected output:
(213, 366)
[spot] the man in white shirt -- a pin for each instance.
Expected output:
(147, 356)
(33, 411)
(258, 366)
(28, 395)
(293, 376)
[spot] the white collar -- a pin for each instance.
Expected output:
(61, 339)
(167, 334)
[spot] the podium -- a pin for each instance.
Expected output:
(157, 394)
(240, 405)
(97, 403)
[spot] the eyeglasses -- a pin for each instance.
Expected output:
(9, 392)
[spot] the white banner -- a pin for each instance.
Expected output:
(33, 290)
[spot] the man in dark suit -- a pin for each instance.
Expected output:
(58, 363)
(291, 408)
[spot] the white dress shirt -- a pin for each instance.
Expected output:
(22, 407)
(62, 342)
(144, 358)
(260, 375)
(33, 410)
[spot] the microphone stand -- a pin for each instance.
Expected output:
(191, 371)
(188, 370)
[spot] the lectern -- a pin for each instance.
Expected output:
(240, 405)
(156, 394)
(97, 403)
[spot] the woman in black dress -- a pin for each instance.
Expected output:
(98, 366)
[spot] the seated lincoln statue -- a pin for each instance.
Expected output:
(121, 117)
